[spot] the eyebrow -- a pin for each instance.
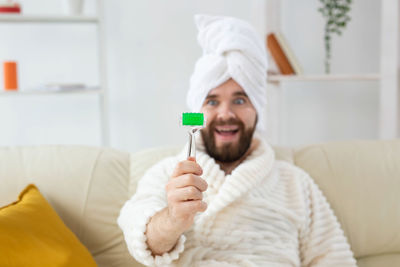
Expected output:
(211, 96)
(238, 93)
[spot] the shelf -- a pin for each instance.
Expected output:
(95, 90)
(99, 92)
(18, 18)
(324, 77)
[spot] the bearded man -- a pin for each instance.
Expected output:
(234, 204)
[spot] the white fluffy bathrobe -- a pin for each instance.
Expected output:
(266, 213)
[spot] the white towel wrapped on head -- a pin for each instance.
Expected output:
(231, 49)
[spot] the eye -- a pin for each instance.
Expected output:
(212, 102)
(239, 101)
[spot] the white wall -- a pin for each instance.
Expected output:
(151, 53)
(321, 111)
(153, 49)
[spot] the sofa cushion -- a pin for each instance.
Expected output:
(361, 180)
(32, 234)
(383, 260)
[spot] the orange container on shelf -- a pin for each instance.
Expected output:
(10, 75)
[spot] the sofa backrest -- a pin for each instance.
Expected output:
(87, 187)
(361, 180)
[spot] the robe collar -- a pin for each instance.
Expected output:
(247, 175)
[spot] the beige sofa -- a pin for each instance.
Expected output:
(87, 187)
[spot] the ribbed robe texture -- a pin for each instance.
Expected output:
(266, 213)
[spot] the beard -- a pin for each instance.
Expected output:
(229, 152)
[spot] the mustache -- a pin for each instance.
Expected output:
(231, 121)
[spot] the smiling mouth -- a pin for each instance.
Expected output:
(229, 131)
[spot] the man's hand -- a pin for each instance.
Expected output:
(185, 199)
(184, 194)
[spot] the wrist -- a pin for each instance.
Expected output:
(170, 226)
(161, 234)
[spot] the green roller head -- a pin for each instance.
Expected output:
(192, 119)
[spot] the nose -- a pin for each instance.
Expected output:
(225, 112)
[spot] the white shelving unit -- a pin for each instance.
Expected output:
(101, 90)
(20, 18)
(388, 78)
(87, 91)
(389, 117)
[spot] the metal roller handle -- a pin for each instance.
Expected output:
(192, 143)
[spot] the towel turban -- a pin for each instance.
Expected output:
(231, 49)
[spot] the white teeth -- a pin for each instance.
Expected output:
(226, 130)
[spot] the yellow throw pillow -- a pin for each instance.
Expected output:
(32, 234)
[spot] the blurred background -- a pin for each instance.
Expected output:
(147, 53)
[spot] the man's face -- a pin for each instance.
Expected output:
(231, 120)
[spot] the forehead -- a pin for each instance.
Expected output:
(227, 89)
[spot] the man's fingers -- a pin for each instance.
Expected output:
(188, 180)
(187, 166)
(185, 194)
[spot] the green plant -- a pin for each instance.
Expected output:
(336, 13)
